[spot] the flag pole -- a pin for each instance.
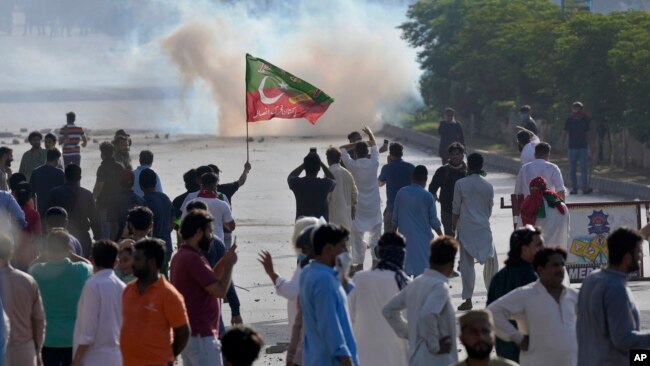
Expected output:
(247, 141)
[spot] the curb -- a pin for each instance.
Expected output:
(510, 165)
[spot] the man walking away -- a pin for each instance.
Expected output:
(415, 215)
(450, 130)
(70, 136)
(472, 208)
(342, 204)
(99, 312)
(163, 337)
(431, 321)
(395, 175)
(146, 161)
(608, 319)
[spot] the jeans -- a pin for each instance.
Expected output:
(580, 156)
(54, 356)
(202, 351)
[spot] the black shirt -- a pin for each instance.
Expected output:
(531, 126)
(109, 172)
(178, 204)
(119, 208)
(80, 205)
(311, 195)
(449, 132)
(445, 179)
(44, 179)
(229, 190)
(577, 128)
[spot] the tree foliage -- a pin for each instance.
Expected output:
(481, 55)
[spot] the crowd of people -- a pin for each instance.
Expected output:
(93, 277)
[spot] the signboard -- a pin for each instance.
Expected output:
(590, 225)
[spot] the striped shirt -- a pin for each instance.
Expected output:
(71, 135)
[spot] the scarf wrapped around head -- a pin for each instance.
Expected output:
(533, 206)
(392, 259)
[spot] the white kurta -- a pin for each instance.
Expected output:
(377, 343)
(430, 315)
(555, 226)
(528, 151)
(539, 168)
(550, 325)
(290, 289)
(473, 201)
(364, 171)
(343, 197)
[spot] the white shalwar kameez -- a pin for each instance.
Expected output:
(473, 201)
(344, 196)
(368, 217)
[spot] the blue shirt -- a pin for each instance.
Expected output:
(326, 322)
(163, 214)
(396, 174)
(136, 182)
(414, 215)
(608, 320)
(9, 205)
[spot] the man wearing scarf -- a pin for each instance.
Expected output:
(376, 342)
(546, 209)
(472, 208)
(445, 179)
(218, 208)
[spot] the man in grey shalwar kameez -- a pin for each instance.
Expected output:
(472, 208)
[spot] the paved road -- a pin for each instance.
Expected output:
(264, 210)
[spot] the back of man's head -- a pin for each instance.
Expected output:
(523, 137)
(396, 150)
(58, 242)
(542, 150)
(333, 155)
(330, 234)
(195, 205)
(475, 161)
(146, 157)
(620, 242)
(189, 178)
(56, 216)
(70, 117)
(240, 346)
(194, 221)
(209, 180)
(72, 173)
(23, 193)
(53, 155)
(140, 218)
(420, 174)
(148, 179)
(152, 249)
(15, 180)
(105, 254)
(443, 251)
(107, 149)
(311, 162)
(6, 247)
(354, 136)
(361, 149)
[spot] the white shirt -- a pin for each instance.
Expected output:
(343, 197)
(192, 195)
(539, 168)
(377, 343)
(99, 319)
(550, 325)
(473, 201)
(528, 152)
(364, 171)
(290, 289)
(219, 210)
(430, 316)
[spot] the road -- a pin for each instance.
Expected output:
(264, 210)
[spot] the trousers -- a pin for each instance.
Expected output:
(359, 244)
(468, 274)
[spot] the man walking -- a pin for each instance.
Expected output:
(45, 178)
(477, 335)
(525, 242)
(548, 311)
(61, 282)
(34, 157)
(431, 322)
(163, 211)
(526, 120)
(70, 136)
(450, 131)
(22, 303)
(312, 193)
(343, 201)
(540, 167)
(472, 208)
(328, 331)
(202, 288)
(99, 312)
(219, 209)
(160, 339)
(608, 324)
(367, 217)
(107, 184)
(444, 180)
(414, 215)
(395, 175)
(577, 129)
(146, 161)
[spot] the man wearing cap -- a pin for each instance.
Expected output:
(546, 312)
(477, 335)
(577, 129)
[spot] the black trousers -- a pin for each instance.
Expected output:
(57, 356)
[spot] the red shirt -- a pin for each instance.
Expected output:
(191, 273)
(33, 220)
